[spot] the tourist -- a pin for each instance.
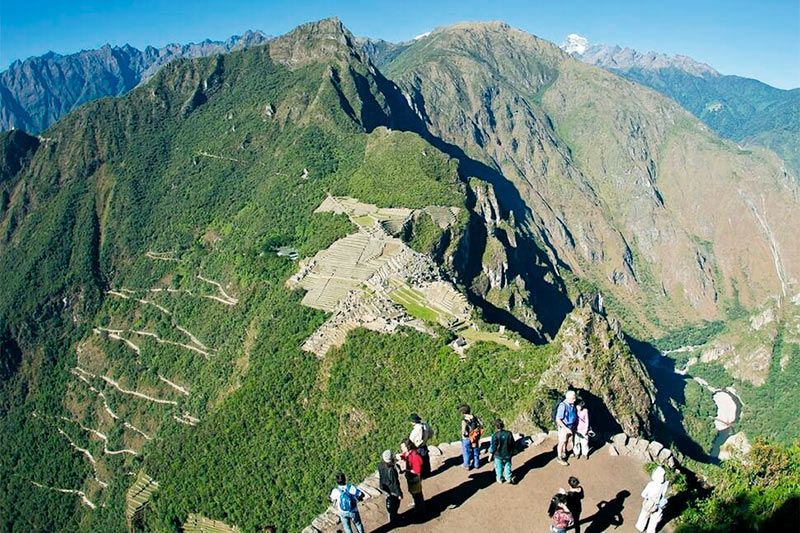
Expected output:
(389, 483)
(420, 433)
(559, 512)
(654, 500)
(413, 471)
(580, 443)
(471, 431)
(574, 497)
(345, 498)
(501, 449)
(566, 418)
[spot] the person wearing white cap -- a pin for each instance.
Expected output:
(654, 500)
(389, 484)
(566, 419)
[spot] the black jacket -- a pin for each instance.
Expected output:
(389, 480)
(503, 445)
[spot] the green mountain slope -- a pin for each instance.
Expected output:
(241, 277)
(621, 185)
(741, 109)
(147, 324)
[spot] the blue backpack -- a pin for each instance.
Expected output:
(346, 500)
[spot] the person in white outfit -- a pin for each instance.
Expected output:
(654, 499)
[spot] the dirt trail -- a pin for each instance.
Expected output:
(226, 298)
(155, 336)
(76, 372)
(117, 386)
(186, 418)
(87, 454)
(99, 393)
(161, 256)
(101, 436)
(175, 386)
(206, 154)
(116, 336)
(164, 310)
(473, 501)
(86, 501)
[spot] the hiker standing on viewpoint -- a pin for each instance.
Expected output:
(413, 468)
(501, 449)
(420, 433)
(580, 443)
(389, 483)
(345, 498)
(566, 419)
(559, 513)
(471, 431)
(574, 497)
(654, 500)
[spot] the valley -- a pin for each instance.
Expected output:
(244, 274)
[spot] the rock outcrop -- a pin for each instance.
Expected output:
(594, 358)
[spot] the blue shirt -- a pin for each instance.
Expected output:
(567, 414)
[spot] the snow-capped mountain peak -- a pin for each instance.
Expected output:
(575, 44)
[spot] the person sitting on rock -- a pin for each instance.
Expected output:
(566, 419)
(471, 431)
(413, 471)
(389, 483)
(345, 498)
(501, 449)
(654, 500)
(560, 514)
(420, 433)
(580, 442)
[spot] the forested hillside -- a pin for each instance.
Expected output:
(153, 250)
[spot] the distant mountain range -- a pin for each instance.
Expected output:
(741, 109)
(36, 92)
(481, 218)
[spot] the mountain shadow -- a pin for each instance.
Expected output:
(670, 389)
(527, 259)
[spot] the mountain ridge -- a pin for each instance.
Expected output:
(146, 245)
(742, 109)
(37, 91)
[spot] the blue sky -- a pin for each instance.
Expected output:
(754, 39)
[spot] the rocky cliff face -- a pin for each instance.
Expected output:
(595, 360)
(614, 182)
(615, 57)
(36, 92)
(745, 110)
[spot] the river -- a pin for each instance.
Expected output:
(729, 405)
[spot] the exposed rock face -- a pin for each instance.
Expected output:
(615, 57)
(16, 149)
(596, 359)
(379, 51)
(509, 275)
(604, 174)
(742, 109)
(36, 92)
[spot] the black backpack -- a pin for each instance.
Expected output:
(473, 424)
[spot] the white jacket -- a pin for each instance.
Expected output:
(656, 490)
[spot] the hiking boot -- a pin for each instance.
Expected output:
(562, 462)
(512, 481)
(500, 480)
